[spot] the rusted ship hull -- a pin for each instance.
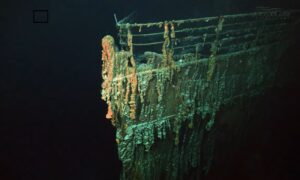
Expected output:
(163, 94)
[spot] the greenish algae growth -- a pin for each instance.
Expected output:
(164, 104)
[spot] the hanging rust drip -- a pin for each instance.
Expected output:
(166, 85)
(132, 80)
(108, 58)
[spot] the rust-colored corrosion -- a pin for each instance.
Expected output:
(112, 67)
(132, 80)
(108, 56)
(167, 83)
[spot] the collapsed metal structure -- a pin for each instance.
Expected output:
(168, 81)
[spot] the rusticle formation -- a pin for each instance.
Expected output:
(167, 83)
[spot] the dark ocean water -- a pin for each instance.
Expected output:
(52, 121)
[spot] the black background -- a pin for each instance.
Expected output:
(53, 122)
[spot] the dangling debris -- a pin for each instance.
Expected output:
(166, 85)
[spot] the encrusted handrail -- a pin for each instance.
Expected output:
(188, 28)
(164, 102)
(207, 19)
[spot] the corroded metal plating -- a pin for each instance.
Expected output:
(170, 97)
